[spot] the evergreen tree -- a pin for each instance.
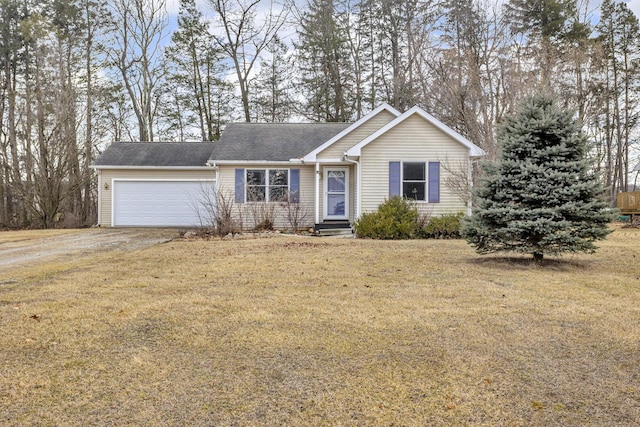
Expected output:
(195, 80)
(323, 55)
(545, 19)
(541, 195)
(545, 23)
(274, 100)
(617, 87)
(396, 44)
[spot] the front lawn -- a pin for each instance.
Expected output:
(322, 331)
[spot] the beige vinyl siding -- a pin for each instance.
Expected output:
(106, 176)
(337, 149)
(414, 140)
(247, 213)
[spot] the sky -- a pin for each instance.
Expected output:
(173, 6)
(634, 5)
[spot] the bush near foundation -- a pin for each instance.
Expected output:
(446, 226)
(396, 218)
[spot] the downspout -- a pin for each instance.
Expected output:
(470, 202)
(214, 166)
(317, 193)
(100, 184)
(358, 175)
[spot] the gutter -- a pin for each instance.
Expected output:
(98, 167)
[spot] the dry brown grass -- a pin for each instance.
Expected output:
(22, 235)
(312, 331)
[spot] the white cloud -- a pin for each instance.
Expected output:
(634, 5)
(173, 7)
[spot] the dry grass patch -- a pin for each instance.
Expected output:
(312, 331)
(7, 237)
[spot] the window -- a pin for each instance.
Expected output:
(256, 185)
(278, 185)
(414, 180)
(267, 185)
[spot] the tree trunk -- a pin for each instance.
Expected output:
(88, 142)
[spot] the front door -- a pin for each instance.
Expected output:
(336, 193)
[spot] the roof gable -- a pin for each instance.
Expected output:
(155, 154)
(474, 150)
(311, 157)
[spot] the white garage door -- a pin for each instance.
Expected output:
(161, 203)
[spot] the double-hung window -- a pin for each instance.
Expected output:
(414, 180)
(419, 181)
(267, 185)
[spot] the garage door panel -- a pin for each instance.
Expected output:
(159, 203)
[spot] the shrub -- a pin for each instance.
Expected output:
(215, 211)
(446, 226)
(396, 218)
(295, 212)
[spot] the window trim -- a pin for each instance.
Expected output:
(425, 164)
(267, 185)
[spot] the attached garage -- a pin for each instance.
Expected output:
(139, 203)
(156, 184)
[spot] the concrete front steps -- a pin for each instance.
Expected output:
(334, 228)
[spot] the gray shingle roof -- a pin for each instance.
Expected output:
(239, 141)
(156, 154)
(273, 141)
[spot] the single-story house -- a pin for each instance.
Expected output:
(330, 172)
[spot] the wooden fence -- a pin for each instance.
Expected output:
(629, 202)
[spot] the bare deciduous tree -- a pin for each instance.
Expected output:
(139, 27)
(248, 27)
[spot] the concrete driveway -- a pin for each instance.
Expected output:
(27, 251)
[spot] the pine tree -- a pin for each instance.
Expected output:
(323, 57)
(541, 195)
(545, 23)
(274, 100)
(195, 79)
(617, 88)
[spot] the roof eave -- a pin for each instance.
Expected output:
(256, 162)
(203, 167)
(477, 152)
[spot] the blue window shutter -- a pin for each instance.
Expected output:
(239, 185)
(394, 179)
(294, 185)
(434, 182)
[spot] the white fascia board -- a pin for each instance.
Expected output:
(300, 162)
(256, 162)
(311, 157)
(332, 161)
(474, 150)
(98, 167)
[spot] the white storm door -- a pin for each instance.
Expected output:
(336, 193)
